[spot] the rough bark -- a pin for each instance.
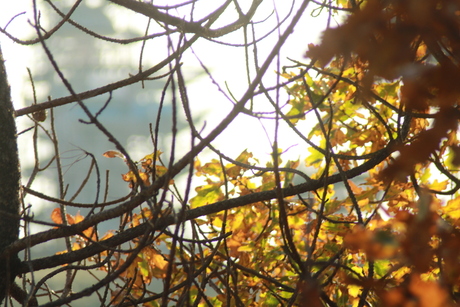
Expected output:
(9, 183)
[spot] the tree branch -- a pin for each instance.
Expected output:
(168, 220)
(187, 26)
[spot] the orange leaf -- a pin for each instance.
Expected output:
(56, 217)
(108, 235)
(429, 294)
(79, 218)
(159, 262)
(113, 154)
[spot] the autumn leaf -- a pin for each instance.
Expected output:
(147, 161)
(114, 154)
(207, 194)
(56, 216)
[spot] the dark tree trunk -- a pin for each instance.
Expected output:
(9, 183)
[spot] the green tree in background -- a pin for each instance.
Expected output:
(367, 215)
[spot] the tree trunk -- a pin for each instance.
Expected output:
(9, 183)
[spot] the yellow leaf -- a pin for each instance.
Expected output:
(217, 222)
(245, 248)
(237, 221)
(354, 290)
(159, 262)
(453, 208)
(152, 156)
(438, 186)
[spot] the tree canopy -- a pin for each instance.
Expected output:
(368, 214)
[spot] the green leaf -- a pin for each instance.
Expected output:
(207, 194)
(244, 157)
(381, 267)
(314, 158)
(213, 168)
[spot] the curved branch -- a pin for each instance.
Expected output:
(168, 220)
(107, 88)
(103, 37)
(48, 34)
(187, 26)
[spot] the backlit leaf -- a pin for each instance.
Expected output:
(207, 194)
